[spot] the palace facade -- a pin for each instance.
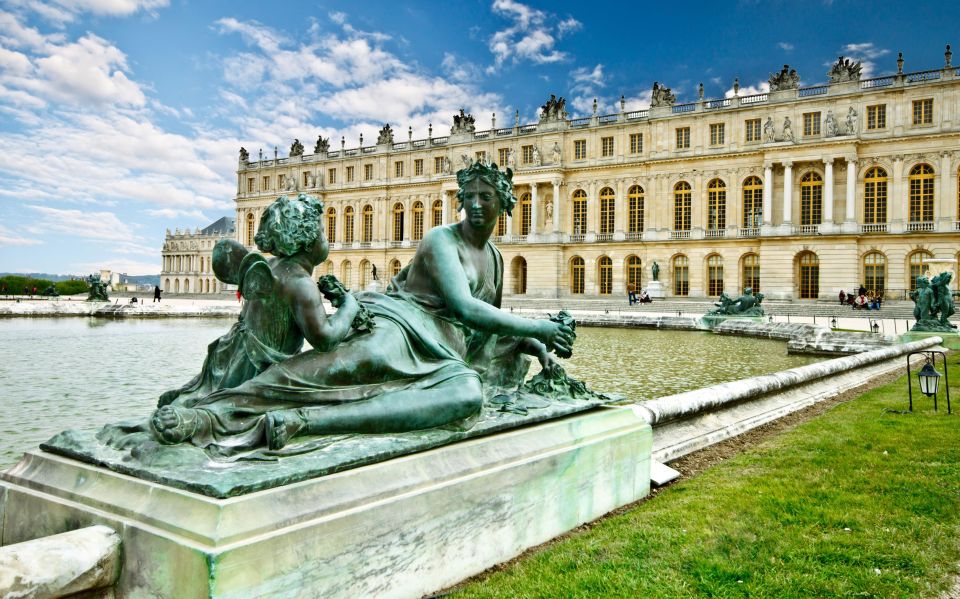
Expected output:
(187, 255)
(799, 192)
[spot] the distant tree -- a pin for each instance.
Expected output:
(15, 284)
(72, 287)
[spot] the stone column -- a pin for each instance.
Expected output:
(534, 206)
(828, 192)
(591, 210)
(850, 208)
(788, 192)
(943, 210)
(897, 199)
(556, 206)
(767, 194)
(620, 212)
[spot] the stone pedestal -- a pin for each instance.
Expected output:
(655, 289)
(399, 528)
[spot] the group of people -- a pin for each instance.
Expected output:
(634, 298)
(863, 299)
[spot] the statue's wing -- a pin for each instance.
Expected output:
(256, 278)
(228, 254)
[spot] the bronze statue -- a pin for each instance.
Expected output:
(747, 304)
(933, 304)
(98, 289)
(296, 148)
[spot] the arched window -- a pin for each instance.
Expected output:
(634, 271)
(809, 271)
(346, 274)
(249, 228)
(605, 275)
(752, 202)
(331, 225)
(526, 206)
(875, 196)
(418, 220)
(608, 210)
(577, 268)
(681, 206)
(365, 274)
(635, 210)
(186, 285)
(811, 199)
(751, 272)
(166, 285)
(519, 275)
(348, 224)
(681, 275)
(918, 266)
(398, 222)
(367, 224)
(437, 210)
(579, 213)
(502, 224)
(394, 268)
(328, 267)
(716, 206)
(921, 193)
(874, 271)
(714, 275)
(176, 285)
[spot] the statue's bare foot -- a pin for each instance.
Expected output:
(174, 425)
(282, 425)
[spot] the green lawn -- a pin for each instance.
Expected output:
(856, 502)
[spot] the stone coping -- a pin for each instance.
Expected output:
(122, 309)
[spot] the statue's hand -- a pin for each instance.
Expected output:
(548, 364)
(557, 337)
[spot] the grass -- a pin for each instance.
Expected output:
(858, 502)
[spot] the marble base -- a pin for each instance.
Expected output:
(400, 528)
(654, 290)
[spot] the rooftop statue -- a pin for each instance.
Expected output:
(296, 148)
(747, 304)
(98, 289)
(662, 96)
(830, 128)
(322, 146)
(844, 70)
(554, 109)
(385, 136)
(463, 123)
(787, 78)
(244, 155)
(933, 304)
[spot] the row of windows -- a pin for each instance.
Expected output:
(365, 272)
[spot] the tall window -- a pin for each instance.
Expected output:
(437, 218)
(250, 229)
(418, 221)
(526, 204)
(874, 271)
(350, 174)
(606, 146)
(503, 155)
(437, 165)
(332, 176)
(714, 275)
(398, 222)
(519, 275)
(481, 157)
(331, 225)
(636, 143)
(364, 272)
(502, 224)
(579, 149)
(418, 167)
(716, 205)
(683, 138)
(875, 196)
(923, 112)
(752, 202)
(607, 210)
(605, 275)
(634, 271)
(635, 209)
(877, 117)
(681, 275)
(526, 155)
(918, 266)
(266, 183)
(398, 168)
(579, 212)
(752, 129)
(809, 267)
(681, 206)
(811, 123)
(811, 199)
(751, 272)
(346, 274)
(577, 268)
(367, 172)
(717, 131)
(348, 224)
(250, 182)
(921, 193)
(367, 224)
(394, 268)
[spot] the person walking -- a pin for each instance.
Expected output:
(156, 293)
(631, 293)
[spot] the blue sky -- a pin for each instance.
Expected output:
(122, 118)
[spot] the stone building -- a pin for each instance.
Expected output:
(799, 192)
(186, 258)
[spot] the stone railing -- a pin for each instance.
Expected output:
(807, 230)
(925, 226)
(679, 234)
(874, 228)
(749, 232)
(604, 236)
(715, 233)
(817, 90)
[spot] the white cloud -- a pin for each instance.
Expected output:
(786, 46)
(103, 226)
(585, 79)
(11, 238)
(532, 36)
(761, 87)
(122, 265)
(60, 12)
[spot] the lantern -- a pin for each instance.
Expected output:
(929, 379)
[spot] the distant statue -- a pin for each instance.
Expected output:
(447, 166)
(536, 156)
(830, 125)
(844, 70)
(311, 180)
(463, 123)
(943, 298)
(787, 130)
(556, 152)
(466, 160)
(512, 158)
(747, 304)
(655, 271)
(289, 183)
(548, 210)
(553, 110)
(373, 270)
(385, 136)
(98, 289)
(662, 96)
(933, 304)
(51, 291)
(244, 155)
(296, 148)
(787, 78)
(322, 146)
(852, 121)
(769, 130)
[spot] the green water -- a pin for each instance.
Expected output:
(82, 373)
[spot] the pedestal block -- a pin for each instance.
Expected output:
(400, 528)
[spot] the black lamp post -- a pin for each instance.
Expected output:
(876, 327)
(928, 377)
(833, 322)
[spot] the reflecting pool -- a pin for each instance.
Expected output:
(82, 373)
